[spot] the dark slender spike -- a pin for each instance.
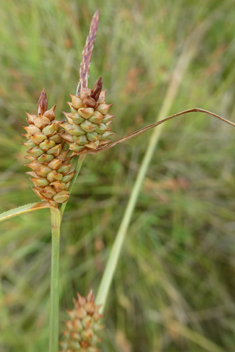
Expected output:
(87, 54)
(42, 103)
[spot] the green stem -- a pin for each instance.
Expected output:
(54, 302)
(114, 255)
(80, 160)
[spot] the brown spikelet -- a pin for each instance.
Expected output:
(89, 121)
(83, 327)
(48, 158)
(87, 53)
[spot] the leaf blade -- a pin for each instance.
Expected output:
(22, 210)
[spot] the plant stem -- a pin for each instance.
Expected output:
(54, 302)
(80, 160)
(115, 253)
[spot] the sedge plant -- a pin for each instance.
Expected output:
(56, 152)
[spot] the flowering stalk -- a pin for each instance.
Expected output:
(56, 215)
(76, 104)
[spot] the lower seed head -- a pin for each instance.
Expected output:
(81, 334)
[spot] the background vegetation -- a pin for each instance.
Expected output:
(175, 285)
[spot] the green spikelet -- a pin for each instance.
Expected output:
(89, 121)
(83, 326)
(52, 170)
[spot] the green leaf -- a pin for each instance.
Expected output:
(22, 210)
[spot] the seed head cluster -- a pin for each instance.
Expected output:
(49, 159)
(89, 121)
(83, 327)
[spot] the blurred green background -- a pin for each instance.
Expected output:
(174, 289)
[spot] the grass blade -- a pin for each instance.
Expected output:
(22, 210)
